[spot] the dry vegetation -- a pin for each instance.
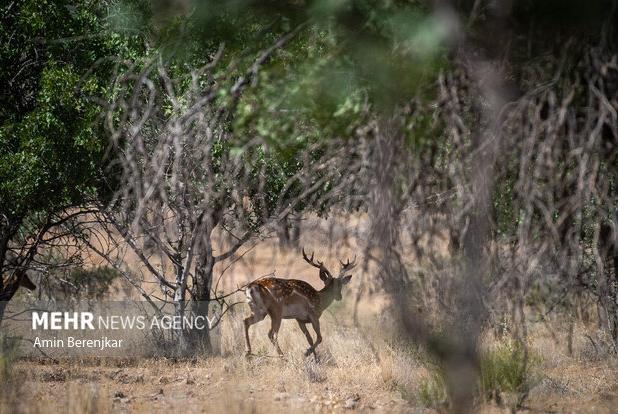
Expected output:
(363, 365)
(481, 203)
(359, 370)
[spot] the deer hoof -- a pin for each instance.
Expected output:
(308, 352)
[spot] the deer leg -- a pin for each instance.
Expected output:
(303, 327)
(315, 322)
(274, 331)
(254, 318)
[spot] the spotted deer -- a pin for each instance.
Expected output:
(294, 299)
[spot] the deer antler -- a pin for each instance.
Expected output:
(316, 263)
(348, 265)
(309, 260)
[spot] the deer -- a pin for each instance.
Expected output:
(13, 284)
(295, 299)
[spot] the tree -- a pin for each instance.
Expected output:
(193, 188)
(53, 154)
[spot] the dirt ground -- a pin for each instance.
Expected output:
(360, 368)
(348, 376)
(357, 372)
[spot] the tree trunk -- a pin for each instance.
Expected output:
(183, 344)
(7, 292)
(608, 288)
(200, 341)
(2, 309)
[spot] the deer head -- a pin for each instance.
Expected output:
(331, 283)
(27, 283)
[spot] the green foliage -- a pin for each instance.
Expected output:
(54, 56)
(507, 374)
(349, 57)
(504, 209)
(506, 369)
(432, 390)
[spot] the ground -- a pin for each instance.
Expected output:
(362, 367)
(357, 372)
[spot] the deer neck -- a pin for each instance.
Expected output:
(327, 296)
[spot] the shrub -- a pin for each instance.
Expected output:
(77, 284)
(506, 369)
(506, 376)
(432, 390)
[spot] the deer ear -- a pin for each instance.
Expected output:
(324, 276)
(346, 279)
(27, 283)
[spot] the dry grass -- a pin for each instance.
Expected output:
(358, 370)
